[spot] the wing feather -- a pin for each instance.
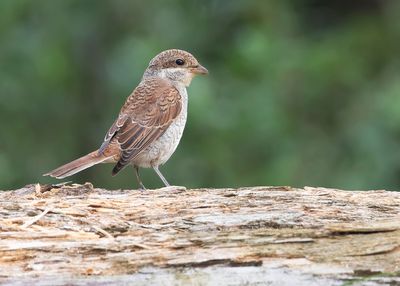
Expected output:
(145, 116)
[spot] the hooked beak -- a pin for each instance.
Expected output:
(199, 70)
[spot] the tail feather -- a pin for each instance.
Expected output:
(77, 165)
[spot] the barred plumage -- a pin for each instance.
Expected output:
(151, 122)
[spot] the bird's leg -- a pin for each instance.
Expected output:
(142, 187)
(161, 176)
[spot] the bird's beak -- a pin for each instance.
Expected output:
(199, 70)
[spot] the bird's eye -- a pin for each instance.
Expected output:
(179, 62)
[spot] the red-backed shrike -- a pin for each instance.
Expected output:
(150, 123)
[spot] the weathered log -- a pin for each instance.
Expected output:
(52, 235)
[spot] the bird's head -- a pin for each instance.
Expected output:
(175, 65)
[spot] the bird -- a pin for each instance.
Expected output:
(150, 123)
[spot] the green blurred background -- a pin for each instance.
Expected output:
(299, 92)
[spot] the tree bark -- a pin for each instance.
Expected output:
(77, 234)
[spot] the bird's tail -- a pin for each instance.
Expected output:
(77, 165)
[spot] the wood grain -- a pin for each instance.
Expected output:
(79, 234)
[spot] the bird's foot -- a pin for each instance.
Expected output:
(142, 188)
(173, 188)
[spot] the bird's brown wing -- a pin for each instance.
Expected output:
(145, 116)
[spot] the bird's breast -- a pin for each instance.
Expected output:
(158, 152)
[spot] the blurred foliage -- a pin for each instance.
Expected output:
(299, 92)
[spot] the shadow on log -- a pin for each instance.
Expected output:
(77, 234)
